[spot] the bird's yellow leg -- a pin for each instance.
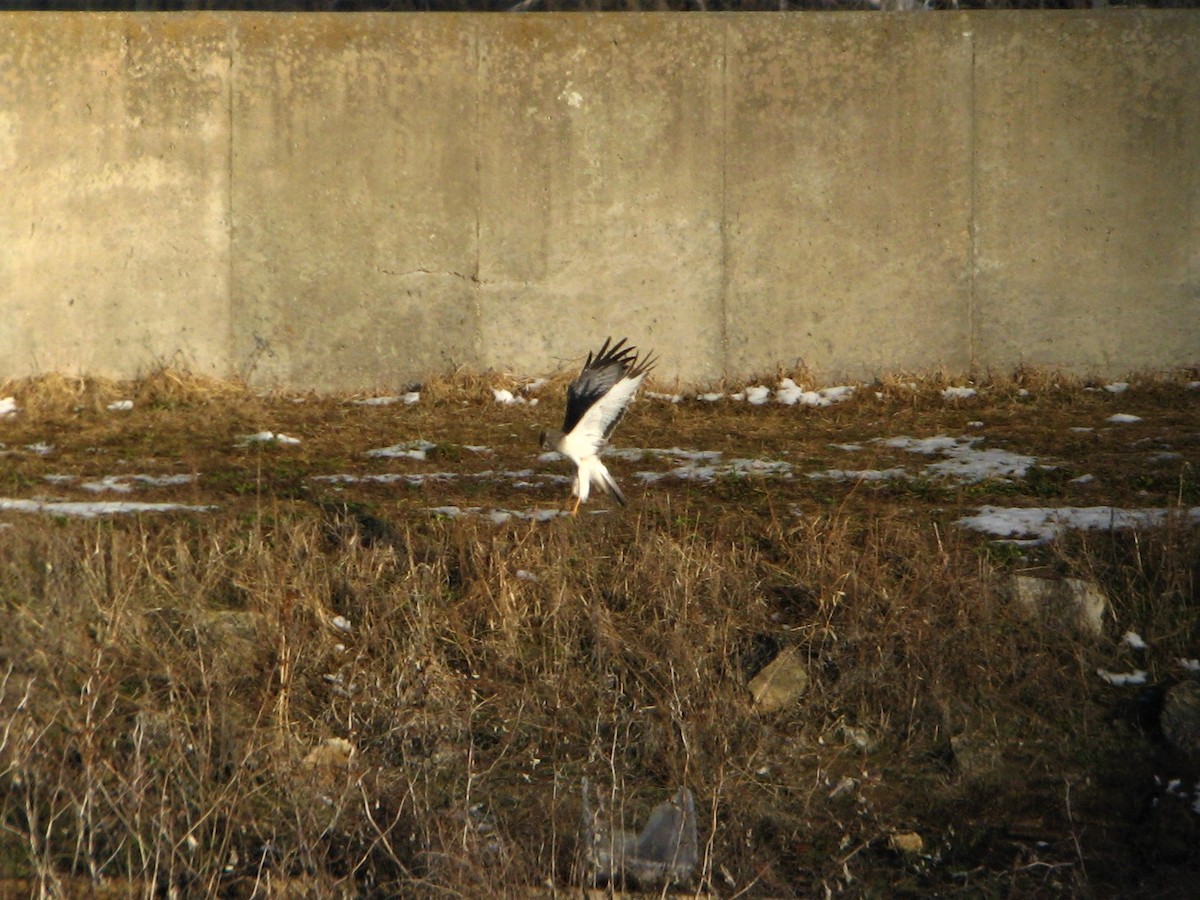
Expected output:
(575, 509)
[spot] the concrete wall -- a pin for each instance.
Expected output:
(350, 202)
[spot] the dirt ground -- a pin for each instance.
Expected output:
(370, 657)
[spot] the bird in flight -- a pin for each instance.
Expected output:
(596, 400)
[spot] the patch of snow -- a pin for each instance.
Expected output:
(536, 385)
(8, 406)
(41, 448)
(504, 395)
(710, 398)
(1083, 479)
(790, 394)
(760, 467)
(669, 398)
(1193, 385)
(92, 510)
(269, 437)
(526, 575)
(1117, 387)
(1082, 429)
(125, 483)
(849, 448)
(342, 624)
(408, 399)
(1046, 523)
(958, 393)
(975, 424)
(418, 450)
(859, 474)
(938, 444)
(120, 406)
(478, 448)
(1121, 679)
(683, 473)
(1123, 418)
(637, 454)
(758, 395)
(1164, 456)
(700, 465)
(963, 461)
(500, 516)
(971, 466)
(1134, 640)
(413, 479)
(1192, 665)
(692, 455)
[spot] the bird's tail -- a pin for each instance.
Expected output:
(610, 485)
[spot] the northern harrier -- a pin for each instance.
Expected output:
(596, 400)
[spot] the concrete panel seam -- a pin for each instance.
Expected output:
(972, 181)
(231, 46)
(477, 141)
(723, 277)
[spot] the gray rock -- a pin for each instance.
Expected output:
(781, 683)
(1079, 603)
(1181, 717)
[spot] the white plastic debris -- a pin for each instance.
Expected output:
(666, 850)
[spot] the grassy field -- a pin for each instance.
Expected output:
(338, 673)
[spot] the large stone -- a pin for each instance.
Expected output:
(781, 683)
(1078, 603)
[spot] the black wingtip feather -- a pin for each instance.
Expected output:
(601, 370)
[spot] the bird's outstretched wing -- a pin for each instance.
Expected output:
(597, 399)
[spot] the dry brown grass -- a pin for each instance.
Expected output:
(178, 708)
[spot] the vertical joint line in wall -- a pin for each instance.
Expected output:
(724, 224)
(477, 305)
(972, 179)
(231, 49)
